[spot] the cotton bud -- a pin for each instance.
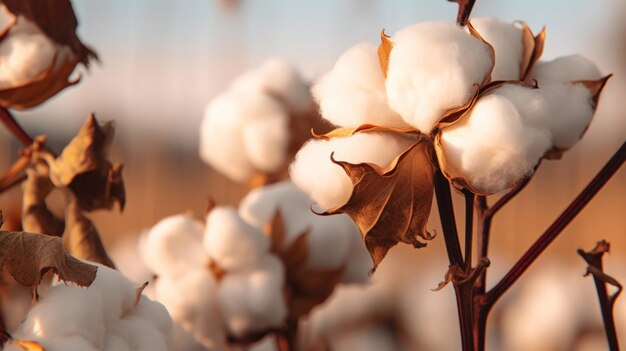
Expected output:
(39, 50)
(326, 182)
(233, 244)
(433, 68)
(492, 148)
(353, 92)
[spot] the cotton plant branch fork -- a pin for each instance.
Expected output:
(607, 302)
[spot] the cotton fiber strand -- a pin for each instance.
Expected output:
(353, 92)
(433, 68)
(326, 182)
(506, 40)
(232, 243)
(491, 148)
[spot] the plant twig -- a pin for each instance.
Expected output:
(469, 227)
(14, 127)
(465, 9)
(609, 169)
(287, 339)
(595, 268)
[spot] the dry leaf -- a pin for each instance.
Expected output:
(384, 50)
(305, 288)
(28, 345)
(346, 132)
(532, 49)
(391, 204)
(28, 256)
(82, 239)
(84, 168)
(36, 217)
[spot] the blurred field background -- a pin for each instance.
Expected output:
(162, 61)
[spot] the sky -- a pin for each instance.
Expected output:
(162, 61)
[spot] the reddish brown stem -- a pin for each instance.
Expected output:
(609, 169)
(14, 127)
(287, 339)
(465, 9)
(469, 228)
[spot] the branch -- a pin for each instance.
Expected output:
(609, 169)
(14, 127)
(465, 9)
(594, 260)
(448, 222)
(469, 227)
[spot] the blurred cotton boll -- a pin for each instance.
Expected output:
(333, 241)
(506, 39)
(357, 78)
(433, 68)
(105, 316)
(326, 182)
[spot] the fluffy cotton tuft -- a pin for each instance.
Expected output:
(507, 42)
(333, 241)
(565, 69)
(327, 183)
(68, 317)
(280, 79)
(255, 301)
(433, 68)
(242, 132)
(172, 244)
(492, 148)
(353, 92)
(232, 243)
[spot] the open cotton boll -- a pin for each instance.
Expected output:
(326, 182)
(118, 293)
(266, 141)
(565, 69)
(329, 238)
(508, 45)
(373, 337)
(433, 68)
(491, 148)
(25, 54)
(254, 301)
(278, 78)
(231, 242)
(221, 142)
(140, 334)
(564, 109)
(353, 92)
(173, 245)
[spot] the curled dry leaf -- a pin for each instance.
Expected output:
(391, 204)
(56, 20)
(305, 288)
(36, 217)
(29, 256)
(82, 239)
(85, 169)
(384, 49)
(532, 49)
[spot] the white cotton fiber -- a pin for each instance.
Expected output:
(231, 243)
(327, 183)
(433, 68)
(491, 148)
(562, 108)
(254, 301)
(266, 141)
(140, 334)
(507, 42)
(353, 92)
(565, 69)
(25, 54)
(278, 78)
(329, 237)
(173, 245)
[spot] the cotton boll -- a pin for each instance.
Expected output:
(253, 301)
(508, 45)
(25, 54)
(565, 69)
(491, 148)
(173, 245)
(116, 343)
(353, 92)
(433, 68)
(221, 142)
(140, 334)
(154, 312)
(118, 293)
(232, 243)
(328, 237)
(278, 78)
(266, 141)
(366, 338)
(327, 183)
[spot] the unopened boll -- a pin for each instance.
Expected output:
(353, 92)
(434, 67)
(326, 182)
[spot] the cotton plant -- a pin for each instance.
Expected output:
(251, 131)
(468, 104)
(252, 271)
